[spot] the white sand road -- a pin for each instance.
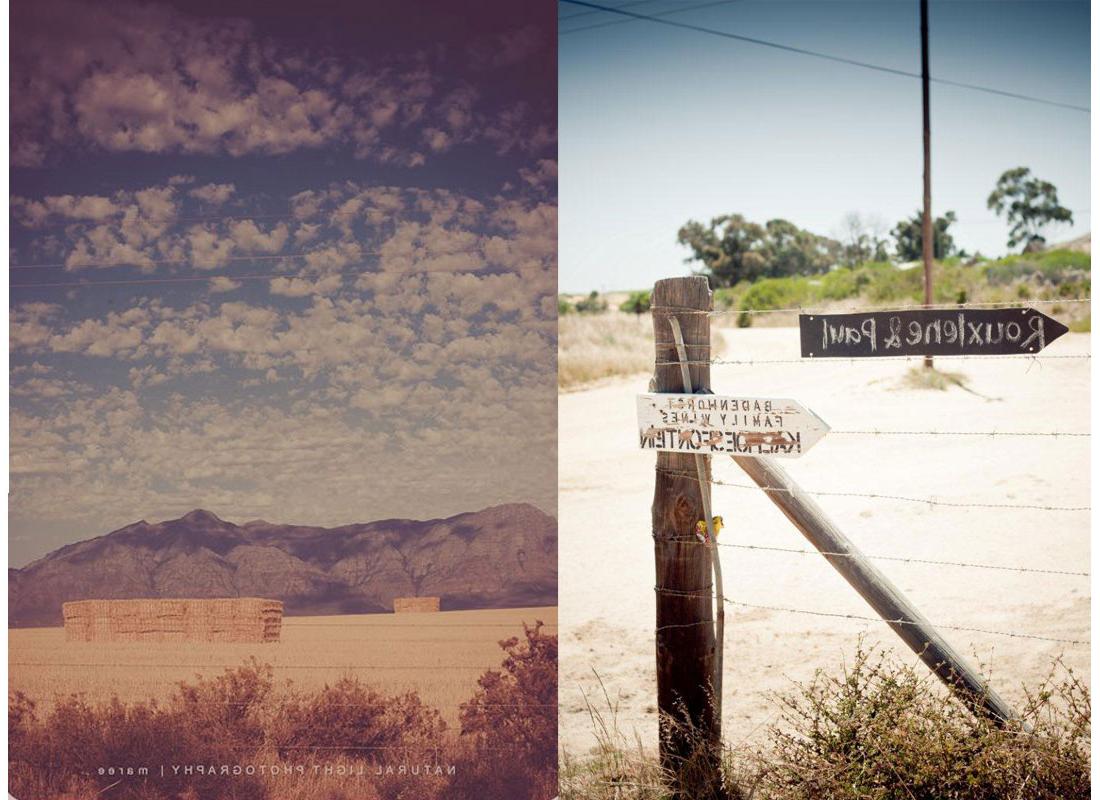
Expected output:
(606, 553)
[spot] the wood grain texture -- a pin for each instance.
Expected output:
(685, 630)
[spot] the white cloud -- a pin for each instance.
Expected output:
(215, 194)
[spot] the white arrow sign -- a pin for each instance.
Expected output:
(739, 426)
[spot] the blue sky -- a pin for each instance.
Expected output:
(659, 125)
(281, 267)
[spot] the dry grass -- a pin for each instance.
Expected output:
(392, 653)
(939, 380)
(877, 729)
(592, 347)
(596, 346)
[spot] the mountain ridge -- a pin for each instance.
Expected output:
(499, 557)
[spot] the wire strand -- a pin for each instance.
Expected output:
(826, 56)
(927, 501)
(863, 618)
(900, 559)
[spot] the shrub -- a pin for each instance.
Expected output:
(511, 724)
(882, 730)
(637, 303)
(593, 304)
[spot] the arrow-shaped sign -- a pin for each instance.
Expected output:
(928, 332)
(740, 426)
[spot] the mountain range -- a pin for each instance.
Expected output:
(499, 557)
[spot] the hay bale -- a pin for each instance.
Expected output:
(231, 619)
(413, 605)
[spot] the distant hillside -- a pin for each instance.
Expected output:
(503, 556)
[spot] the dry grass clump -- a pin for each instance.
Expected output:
(939, 380)
(879, 730)
(345, 741)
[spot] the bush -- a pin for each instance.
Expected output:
(637, 303)
(512, 723)
(880, 730)
(507, 748)
(883, 730)
(593, 304)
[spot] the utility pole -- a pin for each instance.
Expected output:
(927, 242)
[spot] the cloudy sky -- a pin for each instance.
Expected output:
(660, 125)
(277, 267)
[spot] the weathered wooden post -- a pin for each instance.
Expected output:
(690, 730)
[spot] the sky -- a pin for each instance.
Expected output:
(288, 267)
(661, 125)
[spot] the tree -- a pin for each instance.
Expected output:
(909, 239)
(732, 249)
(1028, 205)
(862, 239)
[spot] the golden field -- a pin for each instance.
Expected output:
(440, 655)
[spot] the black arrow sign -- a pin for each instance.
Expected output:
(928, 332)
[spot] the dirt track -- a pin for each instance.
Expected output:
(606, 554)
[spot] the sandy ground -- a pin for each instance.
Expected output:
(606, 554)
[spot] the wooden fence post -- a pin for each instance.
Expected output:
(690, 730)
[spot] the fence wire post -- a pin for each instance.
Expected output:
(689, 727)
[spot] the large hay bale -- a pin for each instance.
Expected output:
(230, 619)
(407, 605)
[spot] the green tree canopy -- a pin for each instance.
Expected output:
(909, 239)
(733, 249)
(1028, 205)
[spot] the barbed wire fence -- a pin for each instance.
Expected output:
(699, 357)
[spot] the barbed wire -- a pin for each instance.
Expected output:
(990, 434)
(928, 501)
(868, 309)
(874, 360)
(901, 559)
(863, 618)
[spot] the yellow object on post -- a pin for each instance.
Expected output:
(701, 529)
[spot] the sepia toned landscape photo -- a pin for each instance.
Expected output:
(283, 456)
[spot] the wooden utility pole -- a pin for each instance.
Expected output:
(690, 729)
(874, 587)
(927, 241)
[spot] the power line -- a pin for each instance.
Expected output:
(591, 13)
(681, 10)
(825, 56)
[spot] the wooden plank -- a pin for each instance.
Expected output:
(745, 426)
(701, 464)
(685, 623)
(936, 332)
(874, 587)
